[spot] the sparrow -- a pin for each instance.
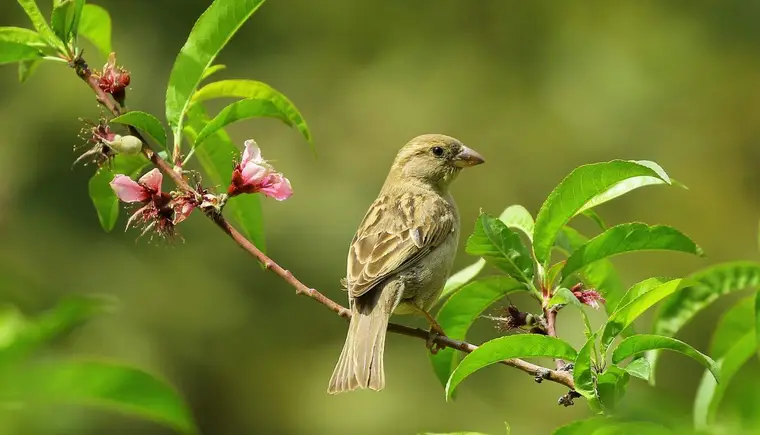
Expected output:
(401, 255)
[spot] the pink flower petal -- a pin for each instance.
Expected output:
(278, 188)
(254, 173)
(252, 153)
(181, 213)
(128, 190)
(152, 180)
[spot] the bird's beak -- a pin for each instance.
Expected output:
(468, 157)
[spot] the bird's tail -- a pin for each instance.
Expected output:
(361, 362)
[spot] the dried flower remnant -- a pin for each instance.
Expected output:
(114, 79)
(98, 138)
(158, 208)
(510, 318)
(254, 175)
(588, 297)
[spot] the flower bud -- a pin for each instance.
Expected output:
(127, 145)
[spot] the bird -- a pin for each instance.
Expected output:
(401, 255)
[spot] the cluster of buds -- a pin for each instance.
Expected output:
(589, 297)
(114, 79)
(161, 212)
(103, 144)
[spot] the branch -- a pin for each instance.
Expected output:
(84, 72)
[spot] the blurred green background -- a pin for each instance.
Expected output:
(536, 87)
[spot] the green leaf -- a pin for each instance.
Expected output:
(145, 122)
(461, 310)
(103, 197)
(26, 68)
(586, 187)
(11, 52)
(710, 392)
(502, 247)
(626, 314)
(95, 26)
(639, 289)
(583, 374)
(457, 280)
(517, 216)
(209, 35)
(216, 159)
(611, 386)
(260, 100)
(564, 296)
(757, 318)
(65, 19)
(66, 315)
(633, 428)
(640, 368)
(106, 385)
(732, 326)
(22, 36)
(640, 343)
(583, 427)
(41, 25)
(711, 283)
(629, 237)
(213, 69)
(512, 346)
(594, 216)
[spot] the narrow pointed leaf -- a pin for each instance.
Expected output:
(639, 289)
(518, 217)
(582, 369)
(585, 187)
(41, 25)
(640, 343)
(462, 277)
(611, 386)
(216, 159)
(710, 393)
(640, 368)
(630, 184)
(22, 36)
(626, 314)
(512, 346)
(106, 385)
(65, 19)
(630, 237)
(213, 69)
(461, 310)
(102, 195)
(215, 27)
(26, 68)
(733, 326)
(594, 216)
(502, 247)
(95, 26)
(263, 101)
(711, 283)
(145, 122)
(11, 52)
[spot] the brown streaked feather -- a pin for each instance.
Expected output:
(394, 234)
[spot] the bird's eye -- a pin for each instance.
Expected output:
(437, 151)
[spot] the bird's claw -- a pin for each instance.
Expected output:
(432, 346)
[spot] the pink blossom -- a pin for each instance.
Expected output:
(159, 212)
(114, 79)
(253, 174)
(128, 190)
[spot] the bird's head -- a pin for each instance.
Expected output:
(434, 158)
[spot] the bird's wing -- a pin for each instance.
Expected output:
(395, 233)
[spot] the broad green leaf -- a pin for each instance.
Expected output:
(260, 100)
(580, 190)
(502, 247)
(639, 289)
(66, 315)
(710, 392)
(511, 346)
(640, 343)
(95, 26)
(517, 216)
(632, 428)
(583, 374)
(22, 36)
(103, 197)
(216, 159)
(41, 25)
(640, 368)
(145, 122)
(65, 19)
(26, 68)
(757, 318)
(629, 237)
(583, 427)
(461, 310)
(209, 35)
(626, 314)
(110, 386)
(630, 184)
(732, 326)
(611, 386)
(213, 69)
(11, 52)
(712, 283)
(457, 280)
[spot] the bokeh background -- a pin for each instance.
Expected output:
(537, 87)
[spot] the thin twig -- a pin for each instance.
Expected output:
(83, 71)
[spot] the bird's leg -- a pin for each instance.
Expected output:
(435, 331)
